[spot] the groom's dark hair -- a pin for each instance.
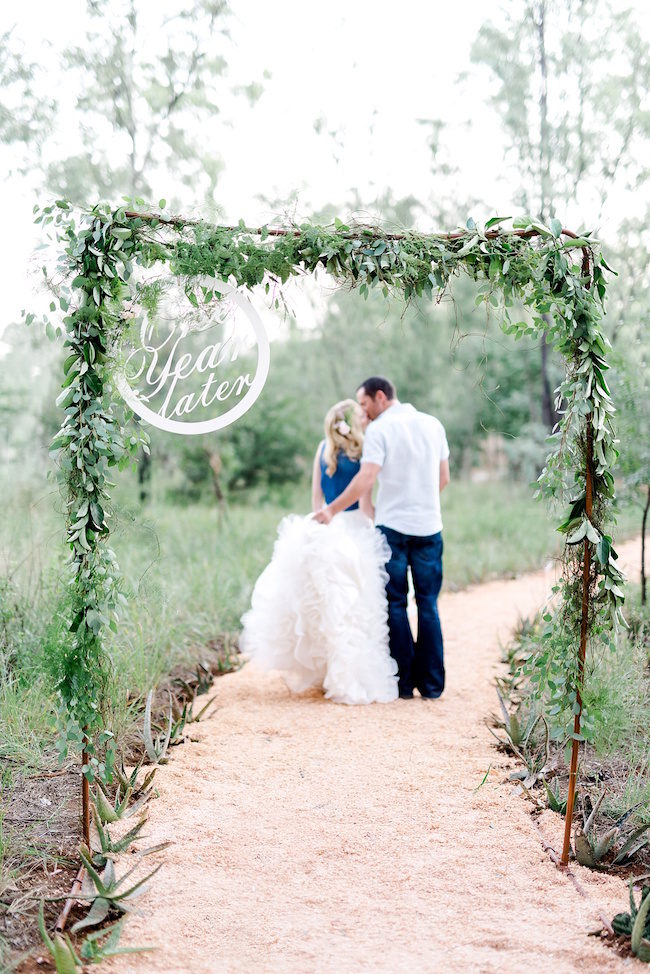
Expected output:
(375, 384)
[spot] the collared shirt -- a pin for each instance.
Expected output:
(409, 447)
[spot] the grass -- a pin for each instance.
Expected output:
(617, 695)
(188, 575)
(497, 529)
(494, 529)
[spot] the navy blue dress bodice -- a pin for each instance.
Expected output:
(346, 470)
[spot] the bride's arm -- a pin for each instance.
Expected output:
(358, 486)
(317, 499)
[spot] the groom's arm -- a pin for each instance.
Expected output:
(358, 486)
(444, 474)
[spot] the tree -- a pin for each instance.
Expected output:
(633, 396)
(570, 79)
(146, 101)
(24, 112)
(146, 105)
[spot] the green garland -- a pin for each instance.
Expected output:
(529, 263)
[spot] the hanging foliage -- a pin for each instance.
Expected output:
(560, 279)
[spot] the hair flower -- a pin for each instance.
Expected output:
(343, 427)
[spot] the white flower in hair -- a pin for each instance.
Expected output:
(343, 427)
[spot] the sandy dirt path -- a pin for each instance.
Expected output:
(314, 837)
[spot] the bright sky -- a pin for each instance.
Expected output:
(369, 69)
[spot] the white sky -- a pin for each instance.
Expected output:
(371, 69)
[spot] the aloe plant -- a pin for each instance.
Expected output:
(94, 951)
(106, 892)
(126, 781)
(63, 954)
(107, 811)
(156, 748)
(641, 945)
(199, 684)
(518, 731)
(518, 736)
(636, 923)
(67, 961)
(555, 802)
(591, 848)
(186, 716)
(122, 805)
(108, 846)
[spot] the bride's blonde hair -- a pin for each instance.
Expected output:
(343, 433)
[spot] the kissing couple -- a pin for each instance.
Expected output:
(330, 609)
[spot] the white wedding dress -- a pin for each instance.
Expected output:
(319, 613)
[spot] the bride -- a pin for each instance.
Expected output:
(319, 610)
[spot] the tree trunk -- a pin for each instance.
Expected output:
(546, 207)
(644, 523)
(215, 465)
(144, 476)
(549, 415)
(546, 202)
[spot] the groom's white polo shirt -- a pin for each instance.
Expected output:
(409, 447)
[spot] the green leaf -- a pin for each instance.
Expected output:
(578, 242)
(556, 227)
(98, 913)
(65, 398)
(607, 267)
(162, 204)
(639, 926)
(603, 549)
(496, 219)
(465, 249)
(578, 535)
(97, 514)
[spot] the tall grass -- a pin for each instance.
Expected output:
(616, 696)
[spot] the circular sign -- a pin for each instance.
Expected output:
(177, 374)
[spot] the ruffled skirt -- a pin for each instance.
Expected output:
(319, 612)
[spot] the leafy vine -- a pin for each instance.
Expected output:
(528, 263)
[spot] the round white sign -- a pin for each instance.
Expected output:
(186, 370)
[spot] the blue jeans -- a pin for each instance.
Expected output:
(420, 662)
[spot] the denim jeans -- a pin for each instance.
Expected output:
(420, 662)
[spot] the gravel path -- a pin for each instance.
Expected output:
(313, 837)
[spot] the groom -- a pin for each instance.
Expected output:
(407, 452)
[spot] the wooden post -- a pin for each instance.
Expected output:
(584, 621)
(584, 624)
(85, 797)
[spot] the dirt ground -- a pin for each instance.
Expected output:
(314, 837)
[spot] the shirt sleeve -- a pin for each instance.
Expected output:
(374, 448)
